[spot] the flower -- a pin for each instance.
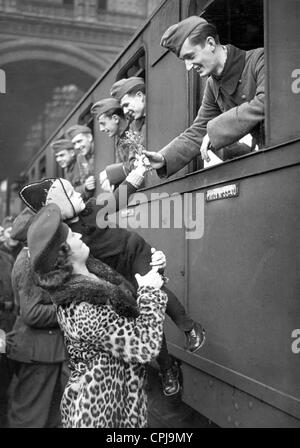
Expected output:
(133, 140)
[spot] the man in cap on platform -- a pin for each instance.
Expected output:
(112, 122)
(82, 139)
(233, 100)
(65, 157)
(35, 345)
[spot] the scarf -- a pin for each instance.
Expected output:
(111, 289)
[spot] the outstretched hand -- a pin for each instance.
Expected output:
(156, 159)
(152, 278)
(158, 258)
(90, 183)
(204, 148)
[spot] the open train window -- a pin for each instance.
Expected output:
(134, 67)
(240, 23)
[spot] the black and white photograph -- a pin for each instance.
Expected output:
(149, 228)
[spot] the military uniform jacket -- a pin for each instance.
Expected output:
(36, 336)
(232, 106)
(75, 175)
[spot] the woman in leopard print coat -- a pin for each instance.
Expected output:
(109, 335)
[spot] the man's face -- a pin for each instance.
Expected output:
(109, 125)
(83, 143)
(134, 105)
(64, 157)
(200, 58)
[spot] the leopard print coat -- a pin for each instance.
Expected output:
(107, 353)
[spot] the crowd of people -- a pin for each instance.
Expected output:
(83, 307)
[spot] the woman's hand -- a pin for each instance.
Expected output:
(158, 258)
(152, 278)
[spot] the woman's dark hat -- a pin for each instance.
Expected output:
(45, 237)
(21, 225)
(34, 195)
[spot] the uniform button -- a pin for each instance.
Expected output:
(240, 81)
(243, 97)
(50, 332)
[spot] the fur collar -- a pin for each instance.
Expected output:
(111, 289)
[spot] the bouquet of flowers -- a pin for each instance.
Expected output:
(133, 141)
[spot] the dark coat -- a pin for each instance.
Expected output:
(125, 251)
(36, 336)
(7, 316)
(76, 175)
(232, 106)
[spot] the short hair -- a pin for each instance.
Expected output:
(201, 32)
(136, 89)
(114, 111)
(61, 272)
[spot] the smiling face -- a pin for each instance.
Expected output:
(64, 157)
(109, 125)
(134, 105)
(79, 250)
(201, 58)
(83, 143)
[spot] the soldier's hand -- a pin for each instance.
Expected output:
(156, 159)
(90, 183)
(158, 258)
(204, 148)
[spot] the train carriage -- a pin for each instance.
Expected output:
(238, 273)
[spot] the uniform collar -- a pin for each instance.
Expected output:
(70, 167)
(123, 133)
(138, 124)
(233, 69)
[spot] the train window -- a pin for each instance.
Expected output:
(240, 23)
(42, 167)
(134, 67)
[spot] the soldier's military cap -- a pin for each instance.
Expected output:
(105, 105)
(77, 129)
(125, 85)
(60, 145)
(174, 37)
